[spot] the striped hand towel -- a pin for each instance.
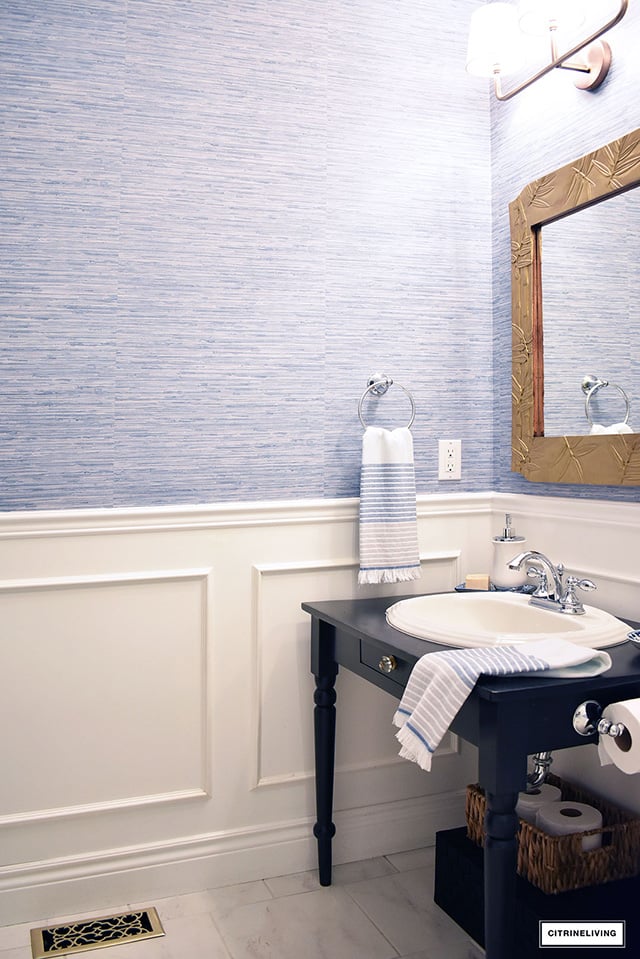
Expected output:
(441, 682)
(388, 524)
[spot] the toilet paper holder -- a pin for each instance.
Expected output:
(587, 720)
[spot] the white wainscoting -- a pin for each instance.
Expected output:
(156, 700)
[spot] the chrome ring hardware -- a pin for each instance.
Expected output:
(590, 386)
(587, 720)
(379, 383)
(387, 664)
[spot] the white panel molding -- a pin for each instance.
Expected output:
(115, 805)
(201, 575)
(112, 579)
(426, 558)
(29, 891)
(450, 744)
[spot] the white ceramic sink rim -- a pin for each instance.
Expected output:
(495, 618)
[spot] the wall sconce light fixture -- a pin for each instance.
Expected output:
(497, 42)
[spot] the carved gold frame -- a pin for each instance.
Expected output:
(610, 460)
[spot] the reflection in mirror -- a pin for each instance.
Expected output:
(591, 387)
(591, 322)
(592, 184)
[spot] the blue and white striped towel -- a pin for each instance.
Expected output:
(441, 682)
(388, 524)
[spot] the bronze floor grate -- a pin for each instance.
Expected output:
(69, 938)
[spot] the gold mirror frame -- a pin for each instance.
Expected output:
(610, 460)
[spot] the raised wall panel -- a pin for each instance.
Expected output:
(284, 685)
(102, 692)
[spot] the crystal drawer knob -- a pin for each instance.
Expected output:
(387, 664)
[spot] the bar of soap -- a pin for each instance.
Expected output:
(477, 581)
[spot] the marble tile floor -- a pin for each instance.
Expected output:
(376, 909)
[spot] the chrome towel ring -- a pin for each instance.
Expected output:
(590, 386)
(379, 383)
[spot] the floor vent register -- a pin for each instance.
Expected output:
(70, 938)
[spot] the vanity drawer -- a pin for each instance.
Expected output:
(385, 662)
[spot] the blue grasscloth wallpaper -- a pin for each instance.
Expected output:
(217, 220)
(542, 129)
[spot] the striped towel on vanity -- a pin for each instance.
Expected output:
(388, 524)
(441, 682)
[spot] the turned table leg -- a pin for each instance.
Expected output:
(500, 860)
(324, 720)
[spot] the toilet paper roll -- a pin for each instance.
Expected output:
(529, 802)
(623, 751)
(562, 818)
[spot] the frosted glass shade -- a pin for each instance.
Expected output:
(494, 40)
(534, 16)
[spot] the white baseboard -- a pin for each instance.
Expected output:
(31, 892)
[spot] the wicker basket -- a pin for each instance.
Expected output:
(558, 863)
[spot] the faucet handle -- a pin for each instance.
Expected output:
(586, 584)
(539, 576)
(570, 602)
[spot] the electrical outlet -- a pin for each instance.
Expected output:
(449, 459)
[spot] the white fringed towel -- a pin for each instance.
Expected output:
(615, 428)
(441, 682)
(388, 523)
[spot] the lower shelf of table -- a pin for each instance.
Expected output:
(459, 892)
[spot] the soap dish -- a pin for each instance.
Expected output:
(527, 588)
(462, 588)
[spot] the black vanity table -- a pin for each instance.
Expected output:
(507, 718)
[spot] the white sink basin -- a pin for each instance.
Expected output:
(493, 618)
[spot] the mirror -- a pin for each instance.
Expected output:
(612, 459)
(600, 332)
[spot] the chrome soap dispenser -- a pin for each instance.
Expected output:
(505, 547)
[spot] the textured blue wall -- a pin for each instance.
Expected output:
(541, 129)
(217, 220)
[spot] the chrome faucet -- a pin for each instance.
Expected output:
(547, 574)
(552, 593)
